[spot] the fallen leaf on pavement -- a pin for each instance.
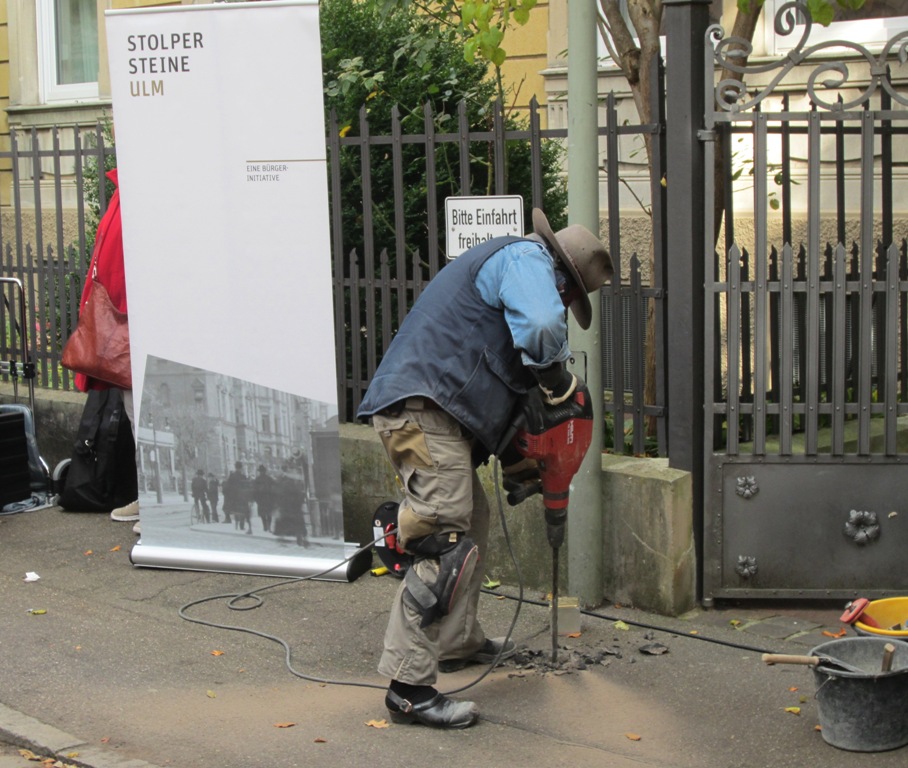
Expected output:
(211, 694)
(116, 548)
(491, 583)
(320, 740)
(793, 688)
(28, 754)
(735, 622)
(105, 739)
(621, 625)
(377, 723)
(793, 710)
(633, 736)
(574, 634)
(37, 611)
(88, 552)
(217, 653)
(840, 633)
(284, 725)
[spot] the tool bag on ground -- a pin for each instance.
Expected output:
(102, 472)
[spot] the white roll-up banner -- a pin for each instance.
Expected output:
(219, 128)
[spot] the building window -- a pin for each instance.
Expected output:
(68, 49)
(872, 25)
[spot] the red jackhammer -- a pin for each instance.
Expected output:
(557, 438)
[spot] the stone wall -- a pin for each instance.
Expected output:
(648, 550)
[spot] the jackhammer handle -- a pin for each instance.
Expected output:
(786, 658)
(524, 491)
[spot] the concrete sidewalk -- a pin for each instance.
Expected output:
(99, 669)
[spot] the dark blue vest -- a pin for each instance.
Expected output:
(456, 350)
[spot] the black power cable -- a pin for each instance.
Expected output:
(234, 600)
(641, 624)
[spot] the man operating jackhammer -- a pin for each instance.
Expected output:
(488, 328)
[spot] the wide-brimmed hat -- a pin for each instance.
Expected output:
(584, 256)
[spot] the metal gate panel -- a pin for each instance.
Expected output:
(806, 321)
(822, 530)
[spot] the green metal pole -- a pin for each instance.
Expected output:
(584, 528)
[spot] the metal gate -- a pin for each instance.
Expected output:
(806, 353)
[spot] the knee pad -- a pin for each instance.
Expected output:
(456, 563)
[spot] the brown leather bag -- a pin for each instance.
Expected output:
(99, 347)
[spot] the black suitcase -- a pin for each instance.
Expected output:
(25, 481)
(102, 472)
(15, 473)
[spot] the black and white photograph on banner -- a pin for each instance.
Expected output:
(226, 465)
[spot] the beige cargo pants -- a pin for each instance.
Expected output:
(431, 456)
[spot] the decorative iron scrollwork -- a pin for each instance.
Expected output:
(862, 527)
(746, 567)
(747, 487)
(730, 52)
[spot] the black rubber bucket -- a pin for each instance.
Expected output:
(863, 712)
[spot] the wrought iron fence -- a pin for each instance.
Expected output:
(809, 317)
(46, 232)
(57, 181)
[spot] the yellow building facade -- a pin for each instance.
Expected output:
(30, 55)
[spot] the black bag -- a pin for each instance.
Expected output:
(102, 473)
(14, 471)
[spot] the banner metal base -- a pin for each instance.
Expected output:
(179, 558)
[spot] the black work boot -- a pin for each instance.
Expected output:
(426, 706)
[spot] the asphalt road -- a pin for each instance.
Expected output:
(97, 648)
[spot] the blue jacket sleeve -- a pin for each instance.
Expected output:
(520, 279)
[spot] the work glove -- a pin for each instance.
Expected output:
(540, 414)
(556, 383)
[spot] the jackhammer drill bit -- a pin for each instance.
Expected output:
(555, 605)
(554, 528)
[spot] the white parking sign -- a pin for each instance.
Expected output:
(470, 221)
